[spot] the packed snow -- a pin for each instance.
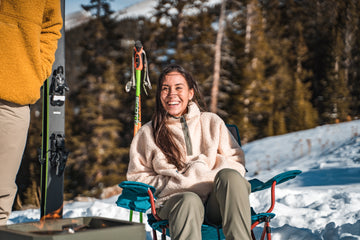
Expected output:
(321, 203)
(144, 8)
(140, 9)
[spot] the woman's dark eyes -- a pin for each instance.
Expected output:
(167, 88)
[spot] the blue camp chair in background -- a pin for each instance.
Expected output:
(140, 197)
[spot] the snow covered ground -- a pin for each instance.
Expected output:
(321, 203)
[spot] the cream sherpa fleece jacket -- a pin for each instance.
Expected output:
(213, 148)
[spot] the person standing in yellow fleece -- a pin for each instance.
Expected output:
(29, 33)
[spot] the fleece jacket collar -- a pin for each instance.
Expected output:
(193, 111)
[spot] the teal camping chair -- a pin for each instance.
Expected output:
(140, 197)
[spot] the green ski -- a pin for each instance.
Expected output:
(139, 67)
(53, 155)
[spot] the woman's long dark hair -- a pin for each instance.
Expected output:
(163, 137)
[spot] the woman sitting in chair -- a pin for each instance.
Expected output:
(193, 161)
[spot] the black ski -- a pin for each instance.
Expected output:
(53, 154)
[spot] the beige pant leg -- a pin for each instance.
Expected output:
(14, 124)
(228, 205)
(185, 212)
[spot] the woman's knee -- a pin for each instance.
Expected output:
(188, 205)
(185, 201)
(182, 203)
(227, 174)
(232, 177)
(190, 200)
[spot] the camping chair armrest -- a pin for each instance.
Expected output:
(257, 185)
(135, 196)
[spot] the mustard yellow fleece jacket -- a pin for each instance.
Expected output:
(29, 30)
(213, 148)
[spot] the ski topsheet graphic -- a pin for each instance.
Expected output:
(53, 154)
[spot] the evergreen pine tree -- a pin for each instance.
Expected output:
(98, 158)
(300, 114)
(99, 7)
(335, 91)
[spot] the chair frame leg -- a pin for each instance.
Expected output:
(154, 234)
(218, 233)
(163, 235)
(267, 230)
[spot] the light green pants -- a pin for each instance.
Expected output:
(228, 205)
(14, 124)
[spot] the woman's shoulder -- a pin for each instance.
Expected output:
(143, 135)
(212, 117)
(145, 129)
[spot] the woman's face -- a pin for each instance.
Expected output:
(175, 94)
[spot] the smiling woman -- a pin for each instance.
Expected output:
(189, 156)
(176, 91)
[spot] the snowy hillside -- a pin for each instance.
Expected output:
(321, 203)
(325, 199)
(76, 19)
(143, 8)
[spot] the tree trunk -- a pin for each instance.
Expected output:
(217, 60)
(250, 15)
(349, 41)
(180, 31)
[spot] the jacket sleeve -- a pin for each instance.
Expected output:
(50, 33)
(148, 164)
(230, 153)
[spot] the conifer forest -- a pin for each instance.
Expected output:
(269, 66)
